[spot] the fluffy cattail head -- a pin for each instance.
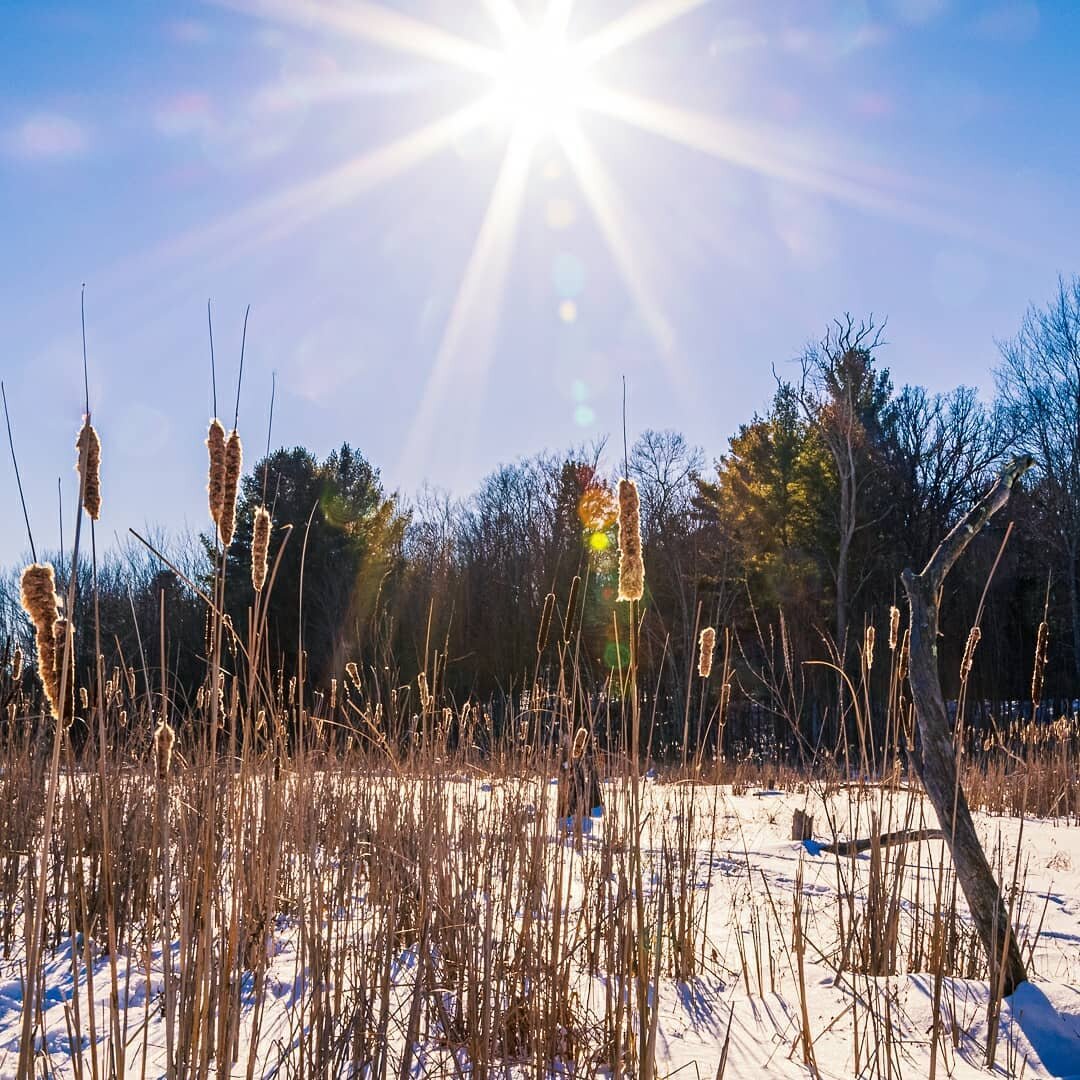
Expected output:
(62, 692)
(581, 740)
(894, 627)
(868, 646)
(706, 645)
(571, 606)
(215, 443)
(1042, 644)
(16, 665)
(631, 565)
(973, 638)
(89, 447)
(234, 463)
(37, 591)
(260, 548)
(164, 738)
(545, 623)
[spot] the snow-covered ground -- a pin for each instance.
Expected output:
(742, 1012)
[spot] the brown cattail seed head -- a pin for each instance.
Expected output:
(354, 674)
(164, 738)
(123, 717)
(868, 646)
(894, 627)
(905, 655)
(1042, 643)
(84, 698)
(215, 443)
(425, 694)
(581, 740)
(89, 447)
(545, 623)
(706, 645)
(260, 548)
(333, 693)
(131, 681)
(571, 606)
(631, 565)
(37, 591)
(234, 463)
(63, 693)
(973, 638)
(16, 665)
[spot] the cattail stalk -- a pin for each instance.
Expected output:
(1042, 643)
(706, 646)
(89, 447)
(260, 548)
(631, 564)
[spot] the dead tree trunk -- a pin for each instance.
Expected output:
(935, 759)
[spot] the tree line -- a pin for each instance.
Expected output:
(790, 541)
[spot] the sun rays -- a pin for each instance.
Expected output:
(536, 86)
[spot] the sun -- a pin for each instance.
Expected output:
(540, 83)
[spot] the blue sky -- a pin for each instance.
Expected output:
(751, 170)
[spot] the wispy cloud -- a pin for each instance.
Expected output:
(45, 137)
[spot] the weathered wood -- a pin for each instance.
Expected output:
(802, 825)
(935, 757)
(889, 839)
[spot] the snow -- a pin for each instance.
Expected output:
(745, 1003)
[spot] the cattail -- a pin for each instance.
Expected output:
(545, 623)
(89, 447)
(260, 720)
(215, 443)
(37, 592)
(1042, 643)
(123, 718)
(131, 681)
(581, 740)
(234, 462)
(64, 683)
(292, 690)
(16, 665)
(905, 655)
(571, 606)
(84, 698)
(354, 674)
(894, 627)
(200, 698)
(164, 737)
(706, 645)
(333, 693)
(631, 566)
(260, 548)
(868, 646)
(973, 638)
(725, 701)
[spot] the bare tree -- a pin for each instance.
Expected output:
(1039, 384)
(843, 397)
(935, 760)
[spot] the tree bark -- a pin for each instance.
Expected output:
(935, 759)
